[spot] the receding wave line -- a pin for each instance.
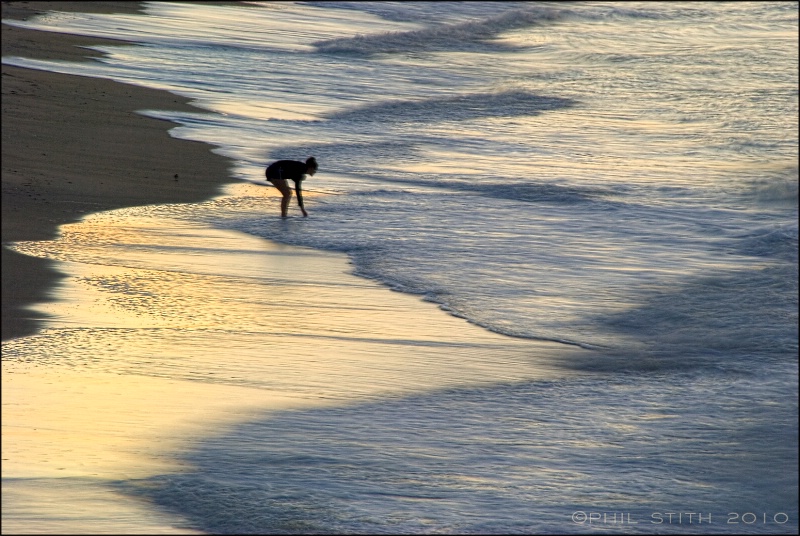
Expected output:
(532, 192)
(456, 107)
(441, 37)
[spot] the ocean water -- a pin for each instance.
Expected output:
(611, 185)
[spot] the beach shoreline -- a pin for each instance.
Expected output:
(92, 399)
(75, 145)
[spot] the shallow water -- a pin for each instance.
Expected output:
(598, 202)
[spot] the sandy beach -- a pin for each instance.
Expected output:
(74, 145)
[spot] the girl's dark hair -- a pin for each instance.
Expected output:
(312, 162)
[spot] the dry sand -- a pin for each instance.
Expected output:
(74, 145)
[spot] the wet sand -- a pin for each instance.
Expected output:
(74, 145)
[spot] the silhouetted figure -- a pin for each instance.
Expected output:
(278, 173)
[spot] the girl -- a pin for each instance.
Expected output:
(283, 170)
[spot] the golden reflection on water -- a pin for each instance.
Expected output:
(164, 332)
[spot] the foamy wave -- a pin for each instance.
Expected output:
(441, 37)
(781, 191)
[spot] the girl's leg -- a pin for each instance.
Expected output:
(284, 189)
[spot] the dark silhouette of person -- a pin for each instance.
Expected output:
(278, 173)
